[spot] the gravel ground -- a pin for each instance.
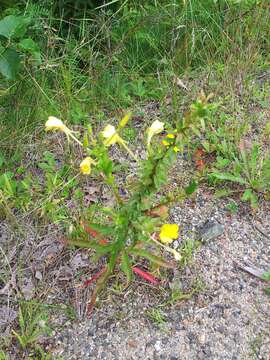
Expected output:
(229, 318)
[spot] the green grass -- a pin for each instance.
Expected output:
(101, 62)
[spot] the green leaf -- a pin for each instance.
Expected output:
(229, 177)
(151, 257)
(266, 172)
(28, 45)
(103, 229)
(249, 195)
(222, 193)
(126, 267)
(2, 160)
(9, 64)
(253, 160)
(91, 245)
(221, 162)
(191, 188)
(266, 276)
(13, 26)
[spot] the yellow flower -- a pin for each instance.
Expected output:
(85, 165)
(170, 136)
(176, 149)
(55, 124)
(156, 128)
(165, 143)
(168, 233)
(110, 135)
(124, 120)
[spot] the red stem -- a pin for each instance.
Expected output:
(145, 275)
(93, 278)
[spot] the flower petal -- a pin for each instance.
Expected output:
(85, 165)
(54, 124)
(168, 233)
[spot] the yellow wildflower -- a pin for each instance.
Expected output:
(156, 128)
(55, 124)
(165, 143)
(170, 136)
(168, 233)
(110, 135)
(176, 149)
(85, 165)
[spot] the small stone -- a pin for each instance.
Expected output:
(38, 275)
(201, 338)
(158, 346)
(210, 231)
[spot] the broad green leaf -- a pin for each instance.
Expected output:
(30, 46)
(229, 177)
(9, 64)
(13, 26)
(151, 257)
(126, 267)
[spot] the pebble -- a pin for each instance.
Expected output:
(210, 231)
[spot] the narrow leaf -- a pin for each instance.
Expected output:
(229, 177)
(151, 257)
(103, 229)
(90, 245)
(126, 266)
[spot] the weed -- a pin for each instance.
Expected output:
(250, 170)
(157, 317)
(233, 207)
(32, 324)
(177, 295)
(187, 250)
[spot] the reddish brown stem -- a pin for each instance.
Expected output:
(145, 275)
(93, 278)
